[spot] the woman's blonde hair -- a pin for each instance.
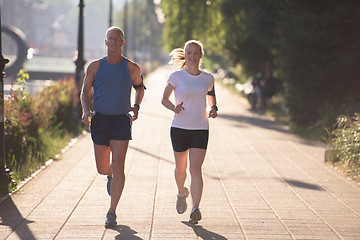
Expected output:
(178, 54)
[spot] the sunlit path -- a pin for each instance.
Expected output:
(260, 182)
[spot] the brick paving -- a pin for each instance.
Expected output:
(260, 182)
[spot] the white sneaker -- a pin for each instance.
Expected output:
(181, 204)
(195, 215)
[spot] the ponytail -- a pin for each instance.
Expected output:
(178, 57)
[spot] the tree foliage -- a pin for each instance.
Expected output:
(312, 46)
(189, 19)
(318, 53)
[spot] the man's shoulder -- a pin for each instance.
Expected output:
(133, 66)
(94, 66)
(131, 63)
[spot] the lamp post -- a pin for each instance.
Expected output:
(110, 13)
(80, 62)
(125, 25)
(5, 176)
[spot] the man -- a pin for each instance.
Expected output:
(111, 78)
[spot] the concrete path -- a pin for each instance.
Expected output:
(260, 182)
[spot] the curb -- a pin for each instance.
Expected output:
(47, 164)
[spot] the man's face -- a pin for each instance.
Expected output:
(114, 40)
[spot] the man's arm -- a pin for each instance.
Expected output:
(85, 95)
(135, 74)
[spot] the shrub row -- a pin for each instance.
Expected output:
(35, 123)
(344, 143)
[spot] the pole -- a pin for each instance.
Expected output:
(135, 29)
(5, 176)
(125, 26)
(110, 13)
(80, 62)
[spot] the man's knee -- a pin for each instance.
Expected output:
(103, 170)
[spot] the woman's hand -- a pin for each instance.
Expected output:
(213, 113)
(178, 108)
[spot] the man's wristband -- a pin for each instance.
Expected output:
(215, 107)
(137, 106)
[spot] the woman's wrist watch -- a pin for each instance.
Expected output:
(137, 106)
(215, 107)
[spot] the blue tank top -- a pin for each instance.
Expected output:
(112, 88)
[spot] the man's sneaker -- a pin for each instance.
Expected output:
(108, 185)
(110, 219)
(195, 215)
(181, 204)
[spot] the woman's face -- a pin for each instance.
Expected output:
(193, 55)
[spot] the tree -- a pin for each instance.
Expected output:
(318, 56)
(188, 19)
(249, 33)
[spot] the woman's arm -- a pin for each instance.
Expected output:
(166, 100)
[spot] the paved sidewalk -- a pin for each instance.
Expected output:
(260, 182)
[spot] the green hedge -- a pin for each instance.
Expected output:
(345, 142)
(38, 126)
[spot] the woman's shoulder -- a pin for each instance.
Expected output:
(176, 73)
(207, 74)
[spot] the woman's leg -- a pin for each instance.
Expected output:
(180, 170)
(196, 158)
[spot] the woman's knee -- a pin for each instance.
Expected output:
(180, 170)
(195, 171)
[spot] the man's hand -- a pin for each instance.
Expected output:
(86, 116)
(135, 110)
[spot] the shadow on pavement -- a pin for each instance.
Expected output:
(126, 233)
(204, 233)
(11, 217)
(263, 123)
(167, 161)
(304, 185)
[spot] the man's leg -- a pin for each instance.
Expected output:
(118, 149)
(102, 158)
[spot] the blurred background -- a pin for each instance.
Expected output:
(300, 58)
(296, 60)
(49, 28)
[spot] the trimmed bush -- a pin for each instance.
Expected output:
(38, 126)
(345, 141)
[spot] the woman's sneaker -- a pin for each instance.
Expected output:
(108, 185)
(181, 204)
(110, 219)
(195, 215)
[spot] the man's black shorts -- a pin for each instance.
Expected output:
(110, 127)
(183, 139)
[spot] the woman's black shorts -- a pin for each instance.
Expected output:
(110, 127)
(183, 139)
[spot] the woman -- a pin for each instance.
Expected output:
(190, 127)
